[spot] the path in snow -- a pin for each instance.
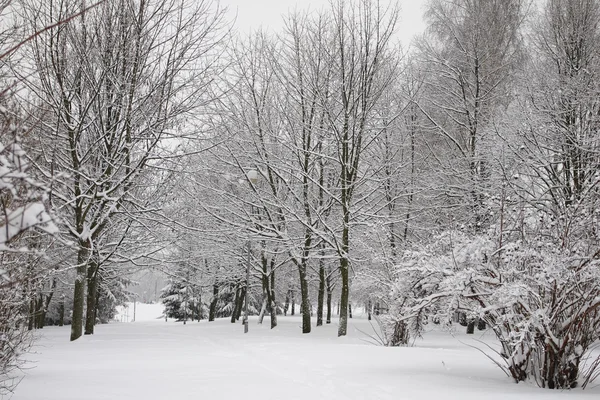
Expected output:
(168, 360)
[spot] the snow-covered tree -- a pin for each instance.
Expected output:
(116, 85)
(25, 222)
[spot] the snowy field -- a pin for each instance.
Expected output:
(154, 359)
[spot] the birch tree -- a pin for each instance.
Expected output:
(470, 53)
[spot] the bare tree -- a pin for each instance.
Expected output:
(25, 222)
(470, 53)
(363, 32)
(116, 84)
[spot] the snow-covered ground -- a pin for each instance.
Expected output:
(154, 359)
(139, 312)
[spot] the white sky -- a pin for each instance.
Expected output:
(252, 14)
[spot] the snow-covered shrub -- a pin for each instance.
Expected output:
(23, 218)
(15, 338)
(21, 198)
(550, 316)
(541, 301)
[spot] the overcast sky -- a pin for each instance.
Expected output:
(267, 13)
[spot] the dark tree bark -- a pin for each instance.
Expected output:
(305, 301)
(272, 303)
(344, 266)
(45, 302)
(267, 280)
(79, 292)
(240, 305)
(481, 325)
(287, 303)
(321, 297)
(236, 302)
(213, 303)
(61, 312)
(36, 311)
(471, 327)
(31, 319)
(97, 308)
(185, 308)
(40, 315)
(329, 297)
(92, 296)
(199, 307)
(400, 334)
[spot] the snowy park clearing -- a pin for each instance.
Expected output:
(153, 359)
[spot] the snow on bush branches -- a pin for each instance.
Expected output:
(21, 198)
(22, 207)
(540, 301)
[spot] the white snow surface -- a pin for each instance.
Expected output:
(154, 359)
(139, 312)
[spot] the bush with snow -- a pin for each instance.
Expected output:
(541, 301)
(24, 215)
(21, 197)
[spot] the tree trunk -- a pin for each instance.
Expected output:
(344, 273)
(36, 312)
(272, 303)
(329, 297)
(79, 292)
(321, 297)
(199, 306)
(31, 318)
(185, 308)
(305, 301)
(213, 303)
(263, 309)
(369, 306)
(42, 319)
(471, 327)
(97, 309)
(92, 282)
(287, 303)
(45, 304)
(40, 315)
(236, 301)
(400, 335)
(349, 310)
(293, 304)
(265, 287)
(61, 312)
(481, 325)
(240, 304)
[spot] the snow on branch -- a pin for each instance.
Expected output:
(21, 198)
